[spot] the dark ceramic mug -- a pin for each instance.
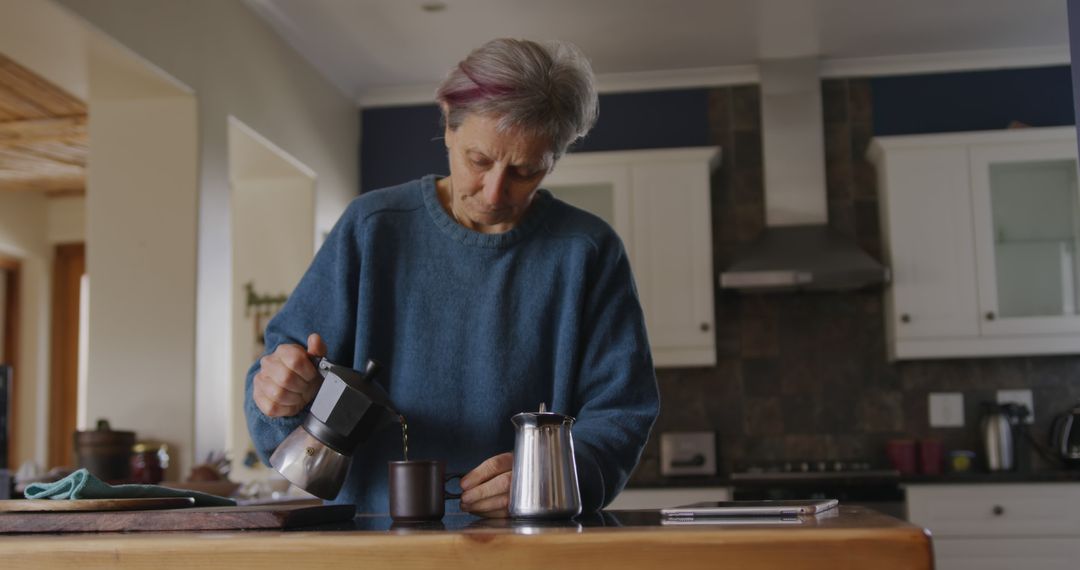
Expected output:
(418, 490)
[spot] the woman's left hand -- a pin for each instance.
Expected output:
(486, 489)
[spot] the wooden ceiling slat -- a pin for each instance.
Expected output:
(29, 175)
(34, 88)
(43, 135)
(22, 132)
(21, 165)
(47, 185)
(53, 153)
(61, 151)
(19, 108)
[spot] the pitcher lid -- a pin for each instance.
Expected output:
(541, 418)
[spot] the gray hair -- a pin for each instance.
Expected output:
(542, 89)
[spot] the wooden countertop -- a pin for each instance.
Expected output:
(851, 537)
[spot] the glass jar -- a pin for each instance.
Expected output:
(147, 464)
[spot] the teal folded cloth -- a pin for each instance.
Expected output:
(83, 485)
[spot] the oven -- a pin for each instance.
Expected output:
(850, 482)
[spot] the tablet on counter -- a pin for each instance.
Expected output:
(714, 509)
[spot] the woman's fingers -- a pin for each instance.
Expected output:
(315, 345)
(494, 488)
(486, 489)
(287, 379)
(487, 470)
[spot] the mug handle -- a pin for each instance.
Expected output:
(447, 495)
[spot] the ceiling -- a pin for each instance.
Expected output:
(43, 138)
(376, 50)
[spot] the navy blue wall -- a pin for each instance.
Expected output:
(1074, 52)
(972, 101)
(403, 143)
(399, 144)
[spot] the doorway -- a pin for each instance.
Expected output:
(69, 266)
(9, 342)
(270, 189)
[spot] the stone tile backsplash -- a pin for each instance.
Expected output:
(805, 375)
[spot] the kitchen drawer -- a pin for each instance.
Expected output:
(632, 499)
(1006, 554)
(1017, 510)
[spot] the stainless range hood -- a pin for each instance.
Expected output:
(797, 250)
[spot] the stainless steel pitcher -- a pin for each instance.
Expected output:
(544, 483)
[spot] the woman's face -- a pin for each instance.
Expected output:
(493, 175)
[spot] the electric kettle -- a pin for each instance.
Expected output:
(1065, 437)
(545, 483)
(348, 408)
(997, 429)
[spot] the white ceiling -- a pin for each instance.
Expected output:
(379, 51)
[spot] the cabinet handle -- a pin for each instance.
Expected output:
(998, 510)
(905, 318)
(990, 315)
(704, 327)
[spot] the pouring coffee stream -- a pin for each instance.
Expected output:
(404, 437)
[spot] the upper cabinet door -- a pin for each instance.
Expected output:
(927, 213)
(658, 203)
(673, 252)
(1027, 228)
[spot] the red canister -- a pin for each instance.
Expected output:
(901, 453)
(931, 455)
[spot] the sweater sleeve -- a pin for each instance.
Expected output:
(323, 302)
(617, 399)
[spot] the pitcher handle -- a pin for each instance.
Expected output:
(446, 479)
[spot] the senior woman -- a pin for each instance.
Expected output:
(482, 294)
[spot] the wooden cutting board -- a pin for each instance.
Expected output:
(40, 505)
(196, 518)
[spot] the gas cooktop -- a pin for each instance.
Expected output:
(818, 470)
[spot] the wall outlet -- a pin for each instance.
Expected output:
(1019, 397)
(688, 453)
(946, 409)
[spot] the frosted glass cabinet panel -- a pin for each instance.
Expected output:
(1026, 223)
(598, 198)
(1033, 206)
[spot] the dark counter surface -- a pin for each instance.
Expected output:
(997, 477)
(793, 480)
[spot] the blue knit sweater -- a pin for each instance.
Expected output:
(473, 328)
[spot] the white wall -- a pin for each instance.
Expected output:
(66, 219)
(236, 66)
(141, 235)
(23, 218)
(273, 206)
(274, 261)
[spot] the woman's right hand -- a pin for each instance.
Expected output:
(287, 379)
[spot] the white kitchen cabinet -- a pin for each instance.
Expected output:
(1013, 525)
(658, 203)
(635, 499)
(980, 232)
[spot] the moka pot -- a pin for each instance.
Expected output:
(348, 408)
